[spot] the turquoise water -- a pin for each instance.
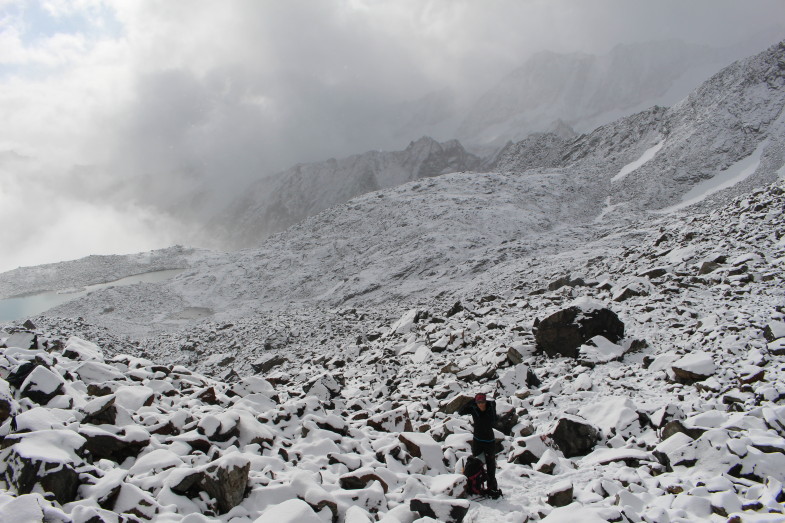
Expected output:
(22, 307)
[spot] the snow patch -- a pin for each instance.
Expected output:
(645, 157)
(734, 174)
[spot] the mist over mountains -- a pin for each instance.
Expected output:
(539, 109)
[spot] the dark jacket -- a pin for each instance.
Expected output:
(483, 421)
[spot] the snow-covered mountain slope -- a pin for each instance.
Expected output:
(587, 90)
(95, 269)
(652, 159)
(710, 117)
(680, 420)
(271, 205)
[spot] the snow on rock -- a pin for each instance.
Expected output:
(600, 350)
(42, 385)
(290, 511)
(564, 331)
(81, 350)
(694, 367)
(423, 446)
(452, 511)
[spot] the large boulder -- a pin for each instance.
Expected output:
(360, 479)
(42, 384)
(113, 443)
(42, 460)
(265, 364)
(22, 340)
(574, 436)
(563, 332)
(693, 367)
(225, 480)
(423, 446)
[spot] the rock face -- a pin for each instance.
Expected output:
(561, 333)
(574, 436)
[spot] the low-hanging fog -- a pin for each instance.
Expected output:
(129, 122)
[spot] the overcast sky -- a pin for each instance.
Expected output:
(110, 108)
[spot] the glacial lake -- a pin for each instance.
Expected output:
(21, 307)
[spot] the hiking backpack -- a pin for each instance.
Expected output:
(474, 470)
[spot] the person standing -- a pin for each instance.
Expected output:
(483, 413)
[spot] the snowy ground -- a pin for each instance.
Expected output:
(324, 432)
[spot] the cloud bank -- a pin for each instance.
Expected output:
(126, 120)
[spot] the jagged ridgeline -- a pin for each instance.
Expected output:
(633, 344)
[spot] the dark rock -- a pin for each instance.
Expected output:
(6, 409)
(326, 503)
(708, 267)
(506, 422)
(674, 426)
(266, 364)
(455, 309)
(752, 377)
(208, 396)
(228, 428)
(41, 385)
(655, 272)
(117, 447)
(396, 420)
(226, 482)
(774, 331)
(514, 356)
(448, 511)
(687, 377)
(628, 292)
(558, 284)
(360, 479)
(28, 474)
(325, 387)
(101, 411)
(185, 487)
(561, 333)
(20, 374)
(455, 404)
(95, 389)
(561, 495)
(29, 325)
(574, 437)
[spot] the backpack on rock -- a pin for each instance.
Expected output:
(474, 470)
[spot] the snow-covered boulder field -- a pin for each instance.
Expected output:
(676, 413)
